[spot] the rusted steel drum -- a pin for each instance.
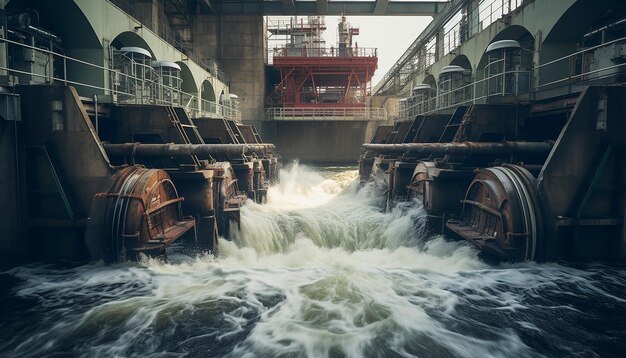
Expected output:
(227, 197)
(400, 174)
(271, 168)
(501, 214)
(259, 182)
(140, 213)
(421, 175)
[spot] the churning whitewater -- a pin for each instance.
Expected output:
(319, 271)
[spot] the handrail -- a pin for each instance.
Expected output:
(326, 113)
(435, 103)
(582, 51)
(419, 54)
(354, 51)
(170, 36)
(194, 105)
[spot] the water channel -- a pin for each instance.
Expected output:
(319, 271)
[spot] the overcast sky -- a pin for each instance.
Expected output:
(391, 35)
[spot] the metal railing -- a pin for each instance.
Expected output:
(354, 51)
(164, 30)
(471, 93)
(446, 33)
(148, 89)
(326, 114)
(576, 76)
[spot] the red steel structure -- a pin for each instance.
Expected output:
(314, 76)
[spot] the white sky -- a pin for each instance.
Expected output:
(391, 35)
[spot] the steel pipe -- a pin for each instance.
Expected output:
(464, 148)
(177, 150)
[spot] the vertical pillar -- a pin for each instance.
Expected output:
(4, 78)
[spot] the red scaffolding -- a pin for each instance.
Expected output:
(320, 76)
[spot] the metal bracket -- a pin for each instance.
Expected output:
(601, 111)
(10, 108)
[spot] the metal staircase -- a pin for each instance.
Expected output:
(187, 131)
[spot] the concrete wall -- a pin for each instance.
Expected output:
(318, 142)
(389, 103)
(238, 43)
(12, 244)
(108, 21)
(87, 28)
(538, 17)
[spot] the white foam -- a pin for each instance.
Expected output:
(319, 271)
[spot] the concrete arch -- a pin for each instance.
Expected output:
(463, 61)
(517, 33)
(514, 32)
(432, 81)
(189, 83)
(131, 39)
(208, 92)
(568, 32)
(65, 19)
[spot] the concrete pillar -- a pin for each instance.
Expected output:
(12, 244)
(238, 44)
(536, 59)
(473, 17)
(4, 78)
(11, 247)
(439, 45)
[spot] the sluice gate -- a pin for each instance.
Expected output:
(511, 132)
(134, 186)
(514, 190)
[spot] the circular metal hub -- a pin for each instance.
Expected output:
(501, 214)
(139, 214)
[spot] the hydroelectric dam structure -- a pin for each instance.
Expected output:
(211, 178)
(511, 130)
(124, 129)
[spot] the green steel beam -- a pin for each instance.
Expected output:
(326, 7)
(288, 6)
(209, 5)
(322, 7)
(381, 7)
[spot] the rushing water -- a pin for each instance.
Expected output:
(319, 271)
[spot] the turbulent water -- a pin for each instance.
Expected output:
(319, 271)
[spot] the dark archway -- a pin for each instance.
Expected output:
(430, 80)
(517, 33)
(567, 34)
(78, 39)
(463, 61)
(208, 93)
(131, 39)
(189, 83)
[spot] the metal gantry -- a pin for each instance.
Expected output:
(454, 24)
(324, 7)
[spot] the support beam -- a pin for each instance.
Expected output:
(381, 7)
(325, 7)
(289, 7)
(209, 5)
(204, 151)
(322, 7)
(464, 148)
